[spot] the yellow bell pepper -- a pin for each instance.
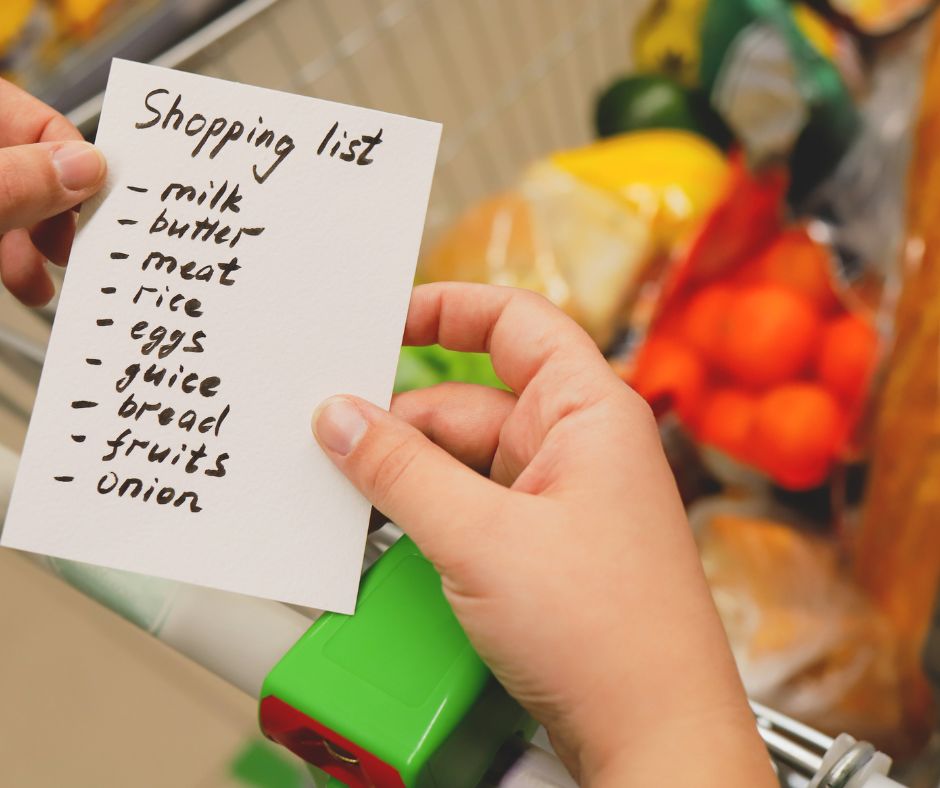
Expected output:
(670, 178)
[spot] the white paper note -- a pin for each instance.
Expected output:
(251, 254)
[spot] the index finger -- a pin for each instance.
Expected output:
(522, 331)
(24, 119)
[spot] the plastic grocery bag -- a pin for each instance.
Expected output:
(806, 641)
(897, 546)
(585, 227)
(755, 348)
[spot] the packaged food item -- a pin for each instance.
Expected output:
(568, 241)
(754, 346)
(584, 226)
(863, 201)
(767, 67)
(880, 17)
(667, 40)
(805, 640)
(897, 556)
(670, 178)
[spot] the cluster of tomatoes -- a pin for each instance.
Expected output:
(765, 363)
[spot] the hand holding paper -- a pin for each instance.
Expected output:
(46, 169)
(572, 568)
(251, 253)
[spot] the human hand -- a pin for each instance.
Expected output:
(46, 170)
(571, 568)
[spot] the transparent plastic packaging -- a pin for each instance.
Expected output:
(585, 226)
(805, 638)
(897, 549)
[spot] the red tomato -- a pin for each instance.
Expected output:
(797, 434)
(847, 356)
(796, 261)
(669, 375)
(725, 421)
(703, 318)
(769, 336)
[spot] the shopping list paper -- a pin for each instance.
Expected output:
(251, 254)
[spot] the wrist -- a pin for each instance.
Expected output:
(716, 749)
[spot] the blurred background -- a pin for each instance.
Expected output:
(736, 199)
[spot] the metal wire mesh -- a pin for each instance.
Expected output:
(510, 80)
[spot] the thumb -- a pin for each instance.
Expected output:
(41, 180)
(434, 498)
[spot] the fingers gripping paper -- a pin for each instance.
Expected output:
(251, 254)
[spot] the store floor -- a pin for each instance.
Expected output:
(88, 700)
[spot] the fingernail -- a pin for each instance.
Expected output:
(79, 165)
(339, 425)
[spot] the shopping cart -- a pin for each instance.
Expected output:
(510, 81)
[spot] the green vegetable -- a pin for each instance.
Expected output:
(643, 101)
(655, 101)
(420, 367)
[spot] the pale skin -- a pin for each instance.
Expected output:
(46, 170)
(549, 511)
(554, 520)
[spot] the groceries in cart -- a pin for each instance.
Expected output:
(584, 226)
(733, 242)
(760, 358)
(807, 640)
(688, 243)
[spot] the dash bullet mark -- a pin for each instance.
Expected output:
(105, 321)
(108, 290)
(140, 189)
(119, 255)
(78, 438)
(127, 221)
(93, 361)
(84, 403)
(64, 478)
